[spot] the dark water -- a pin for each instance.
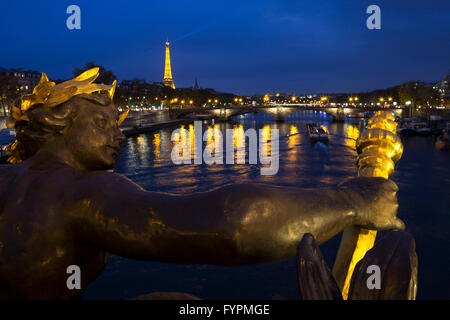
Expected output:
(422, 174)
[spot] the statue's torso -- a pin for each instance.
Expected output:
(36, 242)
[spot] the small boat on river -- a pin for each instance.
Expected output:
(412, 126)
(317, 132)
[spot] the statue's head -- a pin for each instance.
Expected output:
(75, 119)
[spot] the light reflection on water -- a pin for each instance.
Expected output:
(147, 158)
(422, 175)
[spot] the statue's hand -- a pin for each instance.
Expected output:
(375, 203)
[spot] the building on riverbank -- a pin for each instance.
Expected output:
(443, 91)
(27, 79)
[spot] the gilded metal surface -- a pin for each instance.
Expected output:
(59, 207)
(394, 254)
(378, 148)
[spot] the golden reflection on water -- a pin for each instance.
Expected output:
(157, 149)
(265, 142)
(183, 174)
(214, 141)
(299, 159)
(192, 140)
(142, 147)
(239, 144)
(293, 144)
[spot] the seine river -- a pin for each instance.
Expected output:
(423, 176)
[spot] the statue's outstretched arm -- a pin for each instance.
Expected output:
(236, 224)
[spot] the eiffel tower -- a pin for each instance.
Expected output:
(168, 81)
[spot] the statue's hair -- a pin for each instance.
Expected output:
(41, 123)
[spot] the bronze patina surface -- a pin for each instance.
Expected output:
(59, 206)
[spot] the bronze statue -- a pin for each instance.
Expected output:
(59, 206)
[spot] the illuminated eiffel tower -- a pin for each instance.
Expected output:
(168, 81)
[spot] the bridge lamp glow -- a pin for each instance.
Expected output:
(191, 102)
(390, 99)
(356, 98)
(381, 99)
(216, 101)
(350, 99)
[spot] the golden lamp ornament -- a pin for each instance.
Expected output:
(378, 149)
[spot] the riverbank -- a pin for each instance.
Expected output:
(138, 129)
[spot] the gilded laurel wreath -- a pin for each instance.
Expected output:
(50, 95)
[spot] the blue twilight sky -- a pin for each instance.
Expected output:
(240, 46)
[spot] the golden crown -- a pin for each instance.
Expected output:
(51, 95)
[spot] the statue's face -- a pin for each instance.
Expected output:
(94, 137)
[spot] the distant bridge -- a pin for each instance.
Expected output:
(279, 111)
